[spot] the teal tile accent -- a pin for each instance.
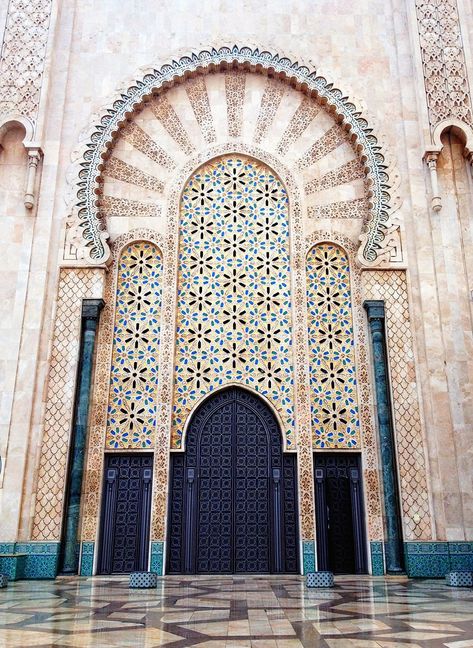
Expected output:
(13, 565)
(426, 559)
(377, 558)
(87, 559)
(7, 547)
(308, 556)
(461, 556)
(435, 559)
(157, 553)
(41, 558)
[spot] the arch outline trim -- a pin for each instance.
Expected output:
(199, 403)
(303, 77)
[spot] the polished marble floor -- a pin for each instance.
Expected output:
(218, 612)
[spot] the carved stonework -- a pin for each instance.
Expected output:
(443, 61)
(368, 166)
(391, 287)
(23, 57)
(74, 286)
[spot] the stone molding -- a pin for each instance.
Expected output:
(381, 232)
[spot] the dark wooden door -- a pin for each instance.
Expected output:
(339, 513)
(126, 511)
(233, 492)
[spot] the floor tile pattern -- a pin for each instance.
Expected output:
(227, 612)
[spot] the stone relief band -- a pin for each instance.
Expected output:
(25, 39)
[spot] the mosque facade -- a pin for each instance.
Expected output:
(236, 288)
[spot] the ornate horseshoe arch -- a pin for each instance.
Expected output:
(379, 239)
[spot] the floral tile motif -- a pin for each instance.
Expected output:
(234, 295)
(131, 418)
(335, 419)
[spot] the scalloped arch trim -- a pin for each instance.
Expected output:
(300, 76)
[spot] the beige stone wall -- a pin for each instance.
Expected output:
(370, 50)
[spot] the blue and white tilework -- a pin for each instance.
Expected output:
(234, 296)
(131, 418)
(335, 419)
(87, 559)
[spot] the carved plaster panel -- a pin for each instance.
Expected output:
(443, 61)
(23, 57)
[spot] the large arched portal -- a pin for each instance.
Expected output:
(233, 492)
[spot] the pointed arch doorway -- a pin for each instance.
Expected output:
(233, 499)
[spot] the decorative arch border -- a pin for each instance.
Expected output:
(302, 77)
(368, 444)
(10, 121)
(464, 130)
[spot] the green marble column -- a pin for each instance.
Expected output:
(69, 563)
(393, 544)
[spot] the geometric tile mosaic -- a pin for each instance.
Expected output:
(335, 419)
(234, 300)
(131, 419)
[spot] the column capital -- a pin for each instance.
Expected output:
(374, 309)
(431, 156)
(91, 308)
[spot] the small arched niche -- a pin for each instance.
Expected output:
(13, 165)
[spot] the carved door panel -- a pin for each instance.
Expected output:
(339, 513)
(214, 546)
(253, 530)
(233, 506)
(125, 513)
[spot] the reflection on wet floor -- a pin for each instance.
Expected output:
(252, 611)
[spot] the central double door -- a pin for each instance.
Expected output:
(233, 492)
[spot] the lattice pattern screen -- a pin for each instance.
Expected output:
(234, 305)
(131, 418)
(335, 419)
(74, 286)
(391, 286)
